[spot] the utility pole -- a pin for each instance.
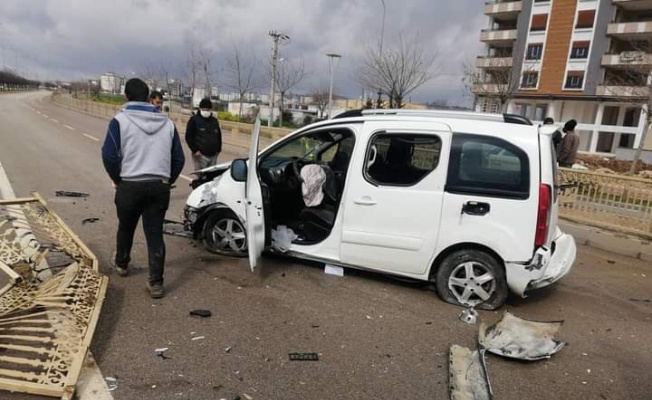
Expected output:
(276, 37)
(380, 51)
(331, 56)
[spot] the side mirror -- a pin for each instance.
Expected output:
(239, 170)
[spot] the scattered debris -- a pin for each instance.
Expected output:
(161, 350)
(468, 378)
(282, 238)
(66, 193)
(161, 353)
(469, 316)
(611, 262)
(197, 338)
(111, 383)
(333, 270)
(89, 220)
(304, 356)
(201, 313)
(514, 337)
(228, 350)
(640, 300)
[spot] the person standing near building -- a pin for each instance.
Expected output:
(142, 154)
(204, 136)
(567, 149)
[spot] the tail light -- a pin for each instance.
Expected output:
(543, 215)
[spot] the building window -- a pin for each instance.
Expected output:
(534, 51)
(585, 19)
(580, 49)
(632, 116)
(626, 141)
(530, 80)
(539, 22)
(574, 80)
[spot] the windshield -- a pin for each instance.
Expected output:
(314, 146)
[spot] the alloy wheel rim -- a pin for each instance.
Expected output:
(229, 234)
(472, 283)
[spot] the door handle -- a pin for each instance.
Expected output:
(365, 201)
(475, 208)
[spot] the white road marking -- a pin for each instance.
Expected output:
(91, 384)
(69, 127)
(56, 121)
(91, 137)
(182, 176)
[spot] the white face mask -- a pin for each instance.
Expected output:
(206, 114)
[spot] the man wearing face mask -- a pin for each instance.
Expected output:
(204, 136)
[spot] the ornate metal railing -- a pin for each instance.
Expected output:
(50, 300)
(616, 202)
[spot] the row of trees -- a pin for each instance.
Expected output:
(11, 79)
(393, 71)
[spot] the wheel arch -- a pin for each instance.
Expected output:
(207, 213)
(457, 247)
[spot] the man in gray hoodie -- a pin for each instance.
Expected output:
(143, 156)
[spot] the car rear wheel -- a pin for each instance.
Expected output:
(224, 234)
(472, 278)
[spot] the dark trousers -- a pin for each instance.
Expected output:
(150, 200)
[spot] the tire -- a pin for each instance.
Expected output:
(224, 234)
(472, 278)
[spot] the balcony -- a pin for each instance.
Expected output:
(498, 37)
(627, 60)
(631, 30)
(633, 5)
(493, 62)
(504, 10)
(623, 91)
(487, 88)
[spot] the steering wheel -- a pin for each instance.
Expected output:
(297, 164)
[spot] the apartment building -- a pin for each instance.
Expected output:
(588, 60)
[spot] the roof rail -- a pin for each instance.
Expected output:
(507, 118)
(349, 113)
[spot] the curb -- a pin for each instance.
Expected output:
(613, 242)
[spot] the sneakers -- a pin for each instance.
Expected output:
(122, 271)
(156, 291)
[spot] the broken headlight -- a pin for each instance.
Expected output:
(190, 215)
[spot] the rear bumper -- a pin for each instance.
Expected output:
(524, 277)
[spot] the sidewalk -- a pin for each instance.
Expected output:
(619, 243)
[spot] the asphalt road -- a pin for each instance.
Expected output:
(377, 338)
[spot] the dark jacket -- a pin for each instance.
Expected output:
(204, 135)
(142, 144)
(567, 150)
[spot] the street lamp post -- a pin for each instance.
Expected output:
(331, 56)
(380, 50)
(276, 37)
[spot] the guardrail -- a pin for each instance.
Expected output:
(616, 202)
(233, 133)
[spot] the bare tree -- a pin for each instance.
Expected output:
(151, 72)
(631, 84)
(397, 70)
(198, 68)
(242, 75)
(500, 82)
(320, 98)
(288, 75)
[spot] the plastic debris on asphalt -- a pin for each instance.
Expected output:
(333, 270)
(304, 356)
(201, 313)
(515, 337)
(469, 316)
(111, 383)
(468, 379)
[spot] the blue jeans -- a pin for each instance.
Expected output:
(149, 200)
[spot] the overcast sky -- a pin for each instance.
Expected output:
(78, 39)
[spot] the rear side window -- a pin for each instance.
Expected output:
(401, 159)
(488, 166)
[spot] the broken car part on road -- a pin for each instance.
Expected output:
(67, 193)
(50, 301)
(468, 379)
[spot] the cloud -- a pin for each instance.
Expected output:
(77, 39)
